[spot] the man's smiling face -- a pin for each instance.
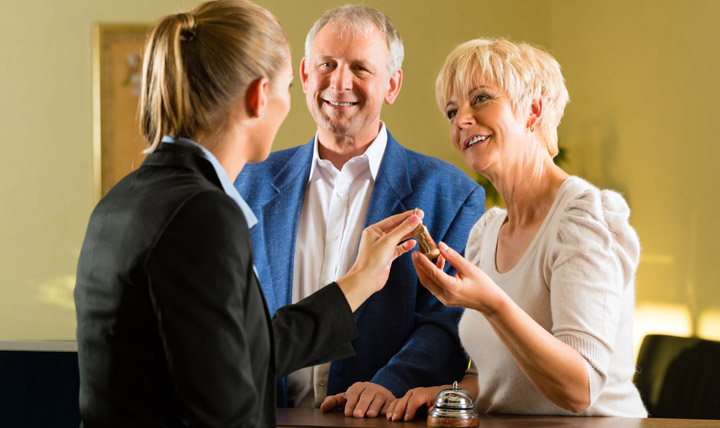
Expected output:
(346, 80)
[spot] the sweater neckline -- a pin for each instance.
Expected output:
(560, 195)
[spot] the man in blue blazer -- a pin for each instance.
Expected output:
(313, 201)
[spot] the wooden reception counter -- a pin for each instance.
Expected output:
(313, 418)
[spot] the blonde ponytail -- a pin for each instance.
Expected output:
(197, 63)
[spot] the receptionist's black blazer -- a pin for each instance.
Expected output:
(172, 327)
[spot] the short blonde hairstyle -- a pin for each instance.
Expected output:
(196, 65)
(525, 72)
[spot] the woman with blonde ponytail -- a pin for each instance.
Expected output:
(172, 326)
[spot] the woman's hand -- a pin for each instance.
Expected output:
(380, 245)
(469, 288)
(556, 369)
(405, 408)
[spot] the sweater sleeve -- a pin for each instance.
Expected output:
(592, 260)
(474, 242)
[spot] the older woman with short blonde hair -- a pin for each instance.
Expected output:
(548, 281)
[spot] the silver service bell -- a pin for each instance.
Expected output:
(453, 408)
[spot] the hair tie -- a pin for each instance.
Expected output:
(187, 20)
(187, 35)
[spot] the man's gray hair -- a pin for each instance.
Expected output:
(359, 18)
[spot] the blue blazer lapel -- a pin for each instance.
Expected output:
(280, 215)
(392, 185)
(262, 268)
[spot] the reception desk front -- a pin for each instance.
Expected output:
(39, 386)
(313, 418)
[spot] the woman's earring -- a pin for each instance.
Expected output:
(261, 113)
(532, 128)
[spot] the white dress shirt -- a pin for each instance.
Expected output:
(331, 222)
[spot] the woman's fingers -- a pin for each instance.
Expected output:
(391, 239)
(440, 263)
(390, 223)
(398, 410)
(406, 407)
(428, 274)
(455, 259)
(403, 248)
(403, 230)
(390, 408)
(420, 268)
(415, 402)
(386, 407)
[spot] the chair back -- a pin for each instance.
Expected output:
(679, 377)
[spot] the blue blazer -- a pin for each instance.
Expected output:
(407, 337)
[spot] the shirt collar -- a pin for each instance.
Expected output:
(374, 152)
(225, 182)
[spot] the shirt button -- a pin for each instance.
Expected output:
(322, 383)
(334, 237)
(340, 194)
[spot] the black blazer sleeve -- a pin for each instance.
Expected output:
(315, 330)
(199, 285)
(215, 327)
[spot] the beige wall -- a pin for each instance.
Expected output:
(642, 77)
